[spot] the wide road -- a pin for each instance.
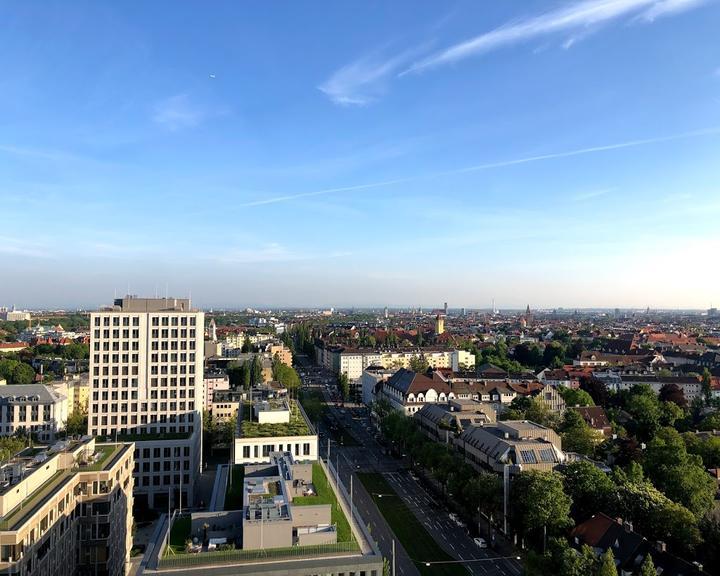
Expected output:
(369, 456)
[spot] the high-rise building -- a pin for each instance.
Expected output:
(146, 385)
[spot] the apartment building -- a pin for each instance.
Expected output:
(67, 510)
(77, 390)
(518, 444)
(146, 382)
(271, 426)
(214, 380)
(32, 408)
(354, 361)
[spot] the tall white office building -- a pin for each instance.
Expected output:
(146, 379)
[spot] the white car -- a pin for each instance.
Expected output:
(454, 517)
(480, 542)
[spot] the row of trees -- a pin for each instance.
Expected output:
(16, 372)
(246, 374)
(667, 497)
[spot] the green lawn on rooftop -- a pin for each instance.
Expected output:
(179, 533)
(252, 429)
(326, 495)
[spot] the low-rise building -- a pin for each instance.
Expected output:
(214, 380)
(255, 441)
(408, 391)
(12, 347)
(596, 418)
(225, 405)
(630, 549)
(443, 422)
(67, 510)
(519, 444)
(32, 408)
(293, 520)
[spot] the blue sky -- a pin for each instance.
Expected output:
(361, 153)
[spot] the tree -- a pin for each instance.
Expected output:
(23, 374)
(607, 564)
(577, 436)
(590, 489)
(539, 502)
(247, 345)
(77, 423)
(419, 364)
(256, 371)
(597, 389)
(673, 393)
(647, 568)
(574, 397)
(344, 385)
(540, 413)
(706, 384)
(645, 409)
(554, 354)
(286, 375)
(681, 476)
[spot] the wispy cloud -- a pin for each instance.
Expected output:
(178, 112)
(363, 81)
(590, 194)
(578, 19)
(485, 166)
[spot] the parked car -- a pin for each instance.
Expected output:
(480, 542)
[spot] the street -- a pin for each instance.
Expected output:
(369, 456)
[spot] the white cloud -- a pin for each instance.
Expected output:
(577, 19)
(178, 112)
(363, 81)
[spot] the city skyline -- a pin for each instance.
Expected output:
(557, 154)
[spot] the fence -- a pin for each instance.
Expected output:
(236, 556)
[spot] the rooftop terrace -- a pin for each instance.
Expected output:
(297, 426)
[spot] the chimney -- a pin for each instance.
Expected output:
(628, 526)
(660, 546)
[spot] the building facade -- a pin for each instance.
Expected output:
(67, 511)
(32, 408)
(146, 383)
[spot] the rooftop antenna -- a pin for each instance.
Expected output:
(166, 290)
(156, 292)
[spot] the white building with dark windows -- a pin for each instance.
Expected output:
(32, 408)
(408, 391)
(146, 385)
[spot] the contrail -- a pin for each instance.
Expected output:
(488, 166)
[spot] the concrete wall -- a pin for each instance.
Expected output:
(275, 534)
(218, 521)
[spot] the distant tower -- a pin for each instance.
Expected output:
(445, 308)
(527, 310)
(386, 312)
(213, 330)
(439, 324)
(494, 310)
(463, 312)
